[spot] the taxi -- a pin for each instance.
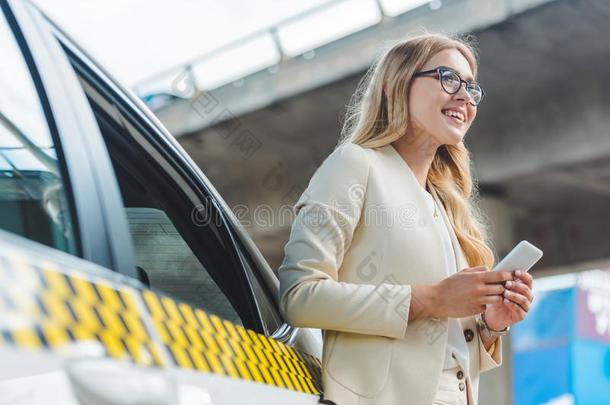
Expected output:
(124, 276)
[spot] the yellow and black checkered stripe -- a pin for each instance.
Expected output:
(41, 307)
(205, 342)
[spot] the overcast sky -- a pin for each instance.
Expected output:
(134, 39)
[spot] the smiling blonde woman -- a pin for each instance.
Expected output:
(388, 254)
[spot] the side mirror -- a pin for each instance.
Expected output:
(110, 382)
(143, 276)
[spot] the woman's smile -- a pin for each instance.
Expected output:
(454, 113)
(454, 119)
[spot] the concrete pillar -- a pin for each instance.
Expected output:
(495, 385)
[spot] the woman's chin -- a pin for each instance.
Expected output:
(454, 138)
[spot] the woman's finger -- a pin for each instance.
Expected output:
(494, 289)
(524, 277)
(515, 307)
(518, 299)
(492, 299)
(520, 288)
(475, 269)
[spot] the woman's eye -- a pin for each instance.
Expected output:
(451, 81)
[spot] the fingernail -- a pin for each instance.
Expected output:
(509, 284)
(518, 272)
(506, 293)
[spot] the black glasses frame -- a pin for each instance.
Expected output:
(439, 71)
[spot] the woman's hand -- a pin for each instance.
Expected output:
(517, 300)
(465, 293)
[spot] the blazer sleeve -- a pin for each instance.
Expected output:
(327, 213)
(492, 358)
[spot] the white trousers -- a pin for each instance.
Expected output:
(449, 392)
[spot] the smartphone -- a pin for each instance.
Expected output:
(523, 256)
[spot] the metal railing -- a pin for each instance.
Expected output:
(186, 68)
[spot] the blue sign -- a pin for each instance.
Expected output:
(561, 351)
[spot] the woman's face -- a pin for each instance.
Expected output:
(428, 101)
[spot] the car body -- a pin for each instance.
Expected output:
(124, 276)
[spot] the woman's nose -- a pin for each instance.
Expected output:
(462, 94)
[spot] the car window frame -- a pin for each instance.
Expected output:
(153, 170)
(67, 120)
(136, 114)
(254, 263)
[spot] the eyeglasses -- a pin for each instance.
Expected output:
(451, 82)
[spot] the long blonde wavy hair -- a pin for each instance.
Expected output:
(374, 119)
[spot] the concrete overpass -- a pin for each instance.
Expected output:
(540, 145)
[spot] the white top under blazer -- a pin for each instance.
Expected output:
(457, 347)
(362, 235)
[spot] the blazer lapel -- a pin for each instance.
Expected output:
(460, 259)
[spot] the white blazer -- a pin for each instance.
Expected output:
(363, 234)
